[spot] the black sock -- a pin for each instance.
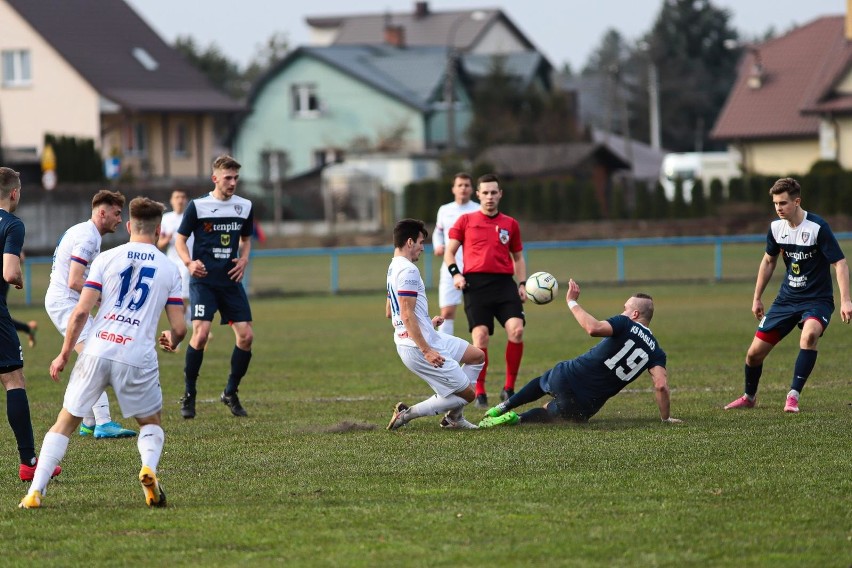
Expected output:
(194, 358)
(752, 378)
(804, 365)
(239, 365)
(18, 413)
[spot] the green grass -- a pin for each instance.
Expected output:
(311, 477)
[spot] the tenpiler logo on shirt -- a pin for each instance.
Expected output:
(503, 235)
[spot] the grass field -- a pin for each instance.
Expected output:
(311, 477)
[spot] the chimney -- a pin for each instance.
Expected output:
(848, 20)
(421, 9)
(758, 73)
(395, 35)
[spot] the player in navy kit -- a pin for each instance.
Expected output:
(11, 355)
(582, 385)
(221, 224)
(806, 298)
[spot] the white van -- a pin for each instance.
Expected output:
(690, 166)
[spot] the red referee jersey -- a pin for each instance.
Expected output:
(487, 242)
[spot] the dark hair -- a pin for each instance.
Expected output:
(106, 197)
(408, 229)
(145, 214)
(487, 178)
(226, 162)
(646, 306)
(462, 175)
(180, 190)
(9, 180)
(786, 185)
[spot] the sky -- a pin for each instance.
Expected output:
(567, 34)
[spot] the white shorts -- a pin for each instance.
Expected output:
(60, 312)
(448, 295)
(444, 380)
(184, 279)
(137, 389)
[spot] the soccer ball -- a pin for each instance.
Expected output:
(542, 287)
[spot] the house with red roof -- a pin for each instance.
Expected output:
(791, 104)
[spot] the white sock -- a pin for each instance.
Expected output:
(448, 326)
(101, 410)
(794, 393)
(150, 444)
(435, 405)
(89, 421)
(472, 371)
(53, 449)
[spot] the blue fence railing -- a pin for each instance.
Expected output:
(620, 245)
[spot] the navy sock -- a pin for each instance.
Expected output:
(239, 365)
(18, 413)
(536, 415)
(752, 378)
(194, 358)
(804, 365)
(531, 392)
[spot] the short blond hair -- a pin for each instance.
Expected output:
(226, 162)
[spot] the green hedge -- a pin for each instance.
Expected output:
(825, 190)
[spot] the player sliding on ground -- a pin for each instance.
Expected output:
(582, 385)
(434, 356)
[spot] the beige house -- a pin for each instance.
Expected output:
(792, 102)
(97, 70)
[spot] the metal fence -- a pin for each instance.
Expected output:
(306, 271)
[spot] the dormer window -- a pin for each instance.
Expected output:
(16, 68)
(145, 59)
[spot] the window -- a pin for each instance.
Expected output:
(145, 59)
(305, 100)
(327, 156)
(181, 141)
(137, 139)
(16, 68)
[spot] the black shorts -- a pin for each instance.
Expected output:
(490, 296)
(229, 300)
(11, 354)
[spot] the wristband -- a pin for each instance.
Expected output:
(454, 269)
(571, 304)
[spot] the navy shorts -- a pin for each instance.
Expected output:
(782, 318)
(229, 300)
(490, 296)
(11, 354)
(565, 404)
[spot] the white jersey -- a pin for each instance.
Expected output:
(448, 214)
(404, 281)
(81, 243)
(169, 226)
(136, 281)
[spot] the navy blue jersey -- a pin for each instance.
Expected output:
(808, 252)
(217, 226)
(612, 364)
(12, 240)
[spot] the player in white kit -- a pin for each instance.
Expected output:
(166, 243)
(72, 258)
(448, 296)
(135, 281)
(434, 356)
